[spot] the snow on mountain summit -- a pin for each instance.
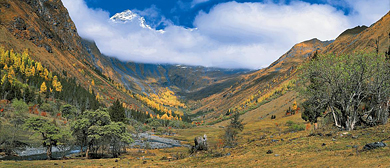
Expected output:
(129, 16)
(124, 16)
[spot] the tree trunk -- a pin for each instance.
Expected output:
(335, 119)
(350, 123)
(49, 153)
(87, 153)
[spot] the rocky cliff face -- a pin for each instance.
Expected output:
(45, 23)
(44, 28)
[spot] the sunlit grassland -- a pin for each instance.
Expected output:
(297, 149)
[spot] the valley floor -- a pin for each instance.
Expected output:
(325, 147)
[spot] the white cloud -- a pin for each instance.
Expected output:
(368, 11)
(231, 35)
(196, 2)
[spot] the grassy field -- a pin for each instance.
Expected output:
(305, 148)
(297, 149)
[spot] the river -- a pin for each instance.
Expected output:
(141, 140)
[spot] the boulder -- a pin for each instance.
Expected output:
(200, 143)
(374, 145)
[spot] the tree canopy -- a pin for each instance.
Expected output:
(354, 89)
(117, 112)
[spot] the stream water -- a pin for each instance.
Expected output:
(141, 140)
(39, 153)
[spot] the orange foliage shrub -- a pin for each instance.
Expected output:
(32, 109)
(220, 143)
(4, 102)
(36, 112)
(308, 126)
(58, 114)
(44, 114)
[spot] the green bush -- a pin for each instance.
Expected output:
(297, 127)
(289, 123)
(155, 123)
(143, 128)
(179, 124)
(161, 130)
(68, 111)
(20, 106)
(46, 107)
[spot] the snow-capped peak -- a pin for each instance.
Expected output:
(129, 16)
(124, 16)
(143, 23)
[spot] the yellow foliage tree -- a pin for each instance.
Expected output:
(3, 79)
(58, 87)
(295, 106)
(43, 88)
(39, 67)
(165, 117)
(56, 84)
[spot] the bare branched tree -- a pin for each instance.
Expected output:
(355, 88)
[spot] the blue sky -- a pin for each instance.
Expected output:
(226, 34)
(182, 12)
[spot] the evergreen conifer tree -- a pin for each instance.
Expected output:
(117, 112)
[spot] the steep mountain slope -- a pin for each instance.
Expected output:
(363, 39)
(245, 94)
(46, 30)
(179, 78)
(271, 82)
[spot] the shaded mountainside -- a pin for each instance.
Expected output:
(44, 28)
(181, 79)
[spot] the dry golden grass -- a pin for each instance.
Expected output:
(296, 150)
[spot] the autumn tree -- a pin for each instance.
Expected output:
(43, 88)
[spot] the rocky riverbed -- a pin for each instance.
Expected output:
(141, 141)
(148, 140)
